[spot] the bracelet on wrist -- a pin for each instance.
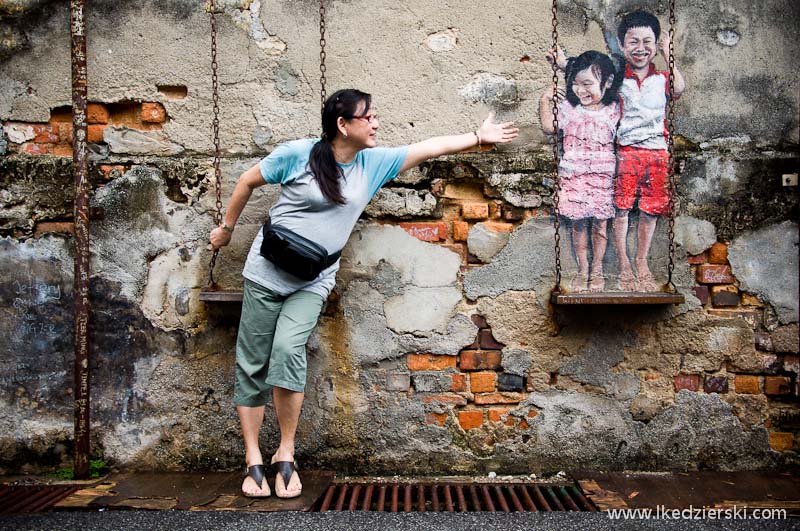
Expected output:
(226, 228)
(478, 137)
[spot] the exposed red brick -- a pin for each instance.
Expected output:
(488, 342)
(701, 292)
(97, 113)
(718, 254)
(483, 382)
(697, 259)
(430, 362)
(153, 113)
(48, 227)
(715, 384)
(36, 149)
(479, 320)
(449, 400)
(726, 295)
(61, 150)
(714, 274)
(476, 360)
(463, 191)
(690, 382)
(781, 441)
(495, 209)
(65, 133)
(438, 419)
(459, 383)
(496, 413)
(460, 231)
(106, 169)
(532, 413)
(46, 133)
(523, 424)
(777, 385)
(512, 213)
(427, 232)
(747, 385)
(497, 226)
(94, 133)
(498, 398)
(470, 420)
(751, 316)
(474, 210)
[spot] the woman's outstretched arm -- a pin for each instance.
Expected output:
(488, 133)
(249, 181)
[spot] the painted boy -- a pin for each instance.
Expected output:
(642, 137)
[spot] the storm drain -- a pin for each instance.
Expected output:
(452, 497)
(32, 498)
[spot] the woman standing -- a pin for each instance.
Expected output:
(325, 185)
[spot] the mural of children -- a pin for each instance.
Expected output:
(587, 122)
(642, 143)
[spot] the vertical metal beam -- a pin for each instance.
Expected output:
(81, 277)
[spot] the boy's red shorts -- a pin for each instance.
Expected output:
(642, 171)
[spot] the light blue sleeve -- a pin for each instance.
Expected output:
(287, 161)
(382, 165)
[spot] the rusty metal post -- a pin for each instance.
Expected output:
(81, 278)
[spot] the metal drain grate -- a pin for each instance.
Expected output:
(452, 497)
(31, 499)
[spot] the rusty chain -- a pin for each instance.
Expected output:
(671, 145)
(212, 10)
(322, 67)
(557, 188)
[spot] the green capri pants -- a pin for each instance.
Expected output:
(271, 345)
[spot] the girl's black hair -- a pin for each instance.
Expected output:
(603, 68)
(321, 161)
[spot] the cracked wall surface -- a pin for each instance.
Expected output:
(438, 351)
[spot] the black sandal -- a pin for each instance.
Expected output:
(256, 472)
(285, 469)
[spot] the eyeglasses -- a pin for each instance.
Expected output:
(369, 118)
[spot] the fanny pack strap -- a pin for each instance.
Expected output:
(331, 258)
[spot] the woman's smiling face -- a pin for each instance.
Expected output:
(639, 47)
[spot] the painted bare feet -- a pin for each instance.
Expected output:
(646, 280)
(627, 282)
(597, 283)
(578, 282)
(255, 483)
(283, 467)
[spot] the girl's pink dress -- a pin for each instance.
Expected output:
(588, 162)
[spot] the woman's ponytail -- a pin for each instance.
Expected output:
(322, 160)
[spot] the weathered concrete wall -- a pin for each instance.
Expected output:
(438, 340)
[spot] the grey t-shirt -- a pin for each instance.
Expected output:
(303, 209)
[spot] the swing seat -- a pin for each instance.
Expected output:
(221, 295)
(616, 298)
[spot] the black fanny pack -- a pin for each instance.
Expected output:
(295, 254)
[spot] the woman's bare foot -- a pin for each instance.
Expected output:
(255, 483)
(282, 490)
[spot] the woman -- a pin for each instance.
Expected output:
(325, 185)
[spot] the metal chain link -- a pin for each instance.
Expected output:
(557, 189)
(212, 9)
(322, 67)
(671, 145)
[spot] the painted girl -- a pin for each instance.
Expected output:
(587, 125)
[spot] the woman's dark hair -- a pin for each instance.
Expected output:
(602, 67)
(326, 170)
